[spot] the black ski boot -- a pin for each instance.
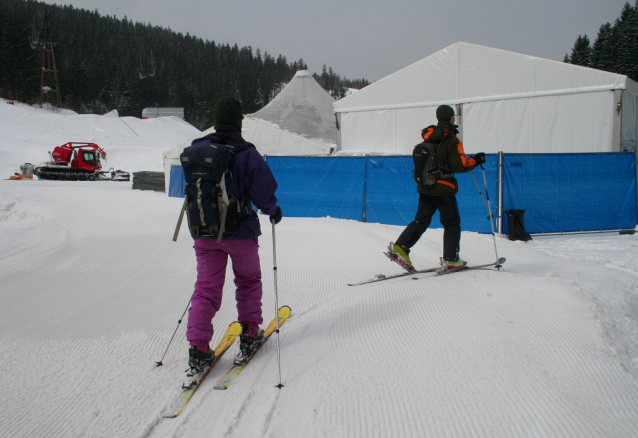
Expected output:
(199, 360)
(249, 340)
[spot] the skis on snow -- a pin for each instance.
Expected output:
(227, 379)
(496, 264)
(193, 382)
(439, 270)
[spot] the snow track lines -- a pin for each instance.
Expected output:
(544, 347)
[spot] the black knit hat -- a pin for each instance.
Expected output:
(227, 115)
(444, 113)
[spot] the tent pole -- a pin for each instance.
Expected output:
(499, 200)
(365, 188)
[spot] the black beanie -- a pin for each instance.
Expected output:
(227, 115)
(444, 113)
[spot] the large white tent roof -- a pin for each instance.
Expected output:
(304, 108)
(506, 101)
(464, 72)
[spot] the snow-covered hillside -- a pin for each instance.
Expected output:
(28, 134)
(92, 288)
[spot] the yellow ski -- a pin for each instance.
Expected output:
(192, 383)
(227, 379)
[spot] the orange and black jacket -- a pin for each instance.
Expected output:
(452, 159)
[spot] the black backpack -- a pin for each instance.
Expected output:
(427, 169)
(426, 163)
(211, 207)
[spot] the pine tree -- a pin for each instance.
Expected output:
(628, 36)
(19, 70)
(581, 53)
(615, 48)
(604, 52)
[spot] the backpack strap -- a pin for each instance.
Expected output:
(222, 199)
(181, 217)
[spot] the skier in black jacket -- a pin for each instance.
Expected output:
(441, 196)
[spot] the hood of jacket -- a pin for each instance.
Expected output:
(439, 132)
(231, 138)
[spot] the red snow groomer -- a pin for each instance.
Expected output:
(76, 161)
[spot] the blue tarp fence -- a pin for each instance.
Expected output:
(560, 193)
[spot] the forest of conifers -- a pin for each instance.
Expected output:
(106, 63)
(615, 48)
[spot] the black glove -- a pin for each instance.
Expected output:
(479, 158)
(276, 217)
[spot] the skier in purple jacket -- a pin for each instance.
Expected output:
(251, 177)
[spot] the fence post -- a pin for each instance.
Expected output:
(365, 187)
(499, 189)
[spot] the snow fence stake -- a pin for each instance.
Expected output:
(274, 263)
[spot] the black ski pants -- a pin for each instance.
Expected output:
(450, 219)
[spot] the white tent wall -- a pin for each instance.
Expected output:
(373, 131)
(396, 130)
(268, 140)
(567, 123)
(509, 102)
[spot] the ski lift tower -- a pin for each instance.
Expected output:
(47, 93)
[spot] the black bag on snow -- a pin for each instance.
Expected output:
(212, 209)
(515, 227)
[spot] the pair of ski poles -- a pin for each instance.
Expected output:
(488, 207)
(274, 259)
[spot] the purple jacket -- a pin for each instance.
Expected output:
(252, 177)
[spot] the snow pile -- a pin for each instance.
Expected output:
(28, 134)
(92, 288)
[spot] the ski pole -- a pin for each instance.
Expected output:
(274, 263)
(487, 205)
(160, 363)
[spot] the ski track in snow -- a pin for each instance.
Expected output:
(92, 288)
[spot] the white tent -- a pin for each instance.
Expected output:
(268, 139)
(298, 121)
(304, 108)
(505, 101)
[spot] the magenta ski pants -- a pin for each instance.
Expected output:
(212, 258)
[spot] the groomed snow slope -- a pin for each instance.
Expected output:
(92, 288)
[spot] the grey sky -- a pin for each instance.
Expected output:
(372, 38)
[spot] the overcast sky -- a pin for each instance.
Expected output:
(372, 38)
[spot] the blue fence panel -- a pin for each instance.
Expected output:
(559, 192)
(473, 199)
(391, 196)
(177, 183)
(571, 192)
(320, 186)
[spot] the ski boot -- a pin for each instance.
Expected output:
(250, 339)
(198, 360)
(400, 255)
(452, 264)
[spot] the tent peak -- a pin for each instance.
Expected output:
(302, 73)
